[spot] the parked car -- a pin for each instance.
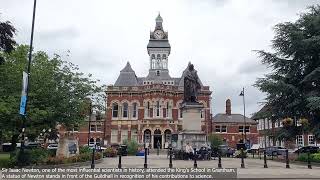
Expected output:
(32, 145)
(306, 149)
(52, 146)
(274, 150)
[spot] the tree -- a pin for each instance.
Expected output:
(57, 92)
(215, 140)
(7, 43)
(293, 86)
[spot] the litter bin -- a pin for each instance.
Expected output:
(124, 151)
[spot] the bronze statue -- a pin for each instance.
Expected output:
(191, 84)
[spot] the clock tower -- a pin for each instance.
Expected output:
(158, 50)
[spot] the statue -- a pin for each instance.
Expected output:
(191, 84)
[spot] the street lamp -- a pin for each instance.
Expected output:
(244, 115)
(90, 113)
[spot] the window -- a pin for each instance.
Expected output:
(180, 111)
(201, 113)
(221, 129)
(124, 135)
(311, 140)
(125, 110)
(240, 129)
(92, 127)
(299, 139)
(217, 128)
(148, 110)
(99, 127)
(158, 73)
(134, 110)
(247, 128)
(115, 109)
(158, 108)
(134, 135)
(167, 110)
(114, 136)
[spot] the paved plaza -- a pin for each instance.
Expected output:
(253, 167)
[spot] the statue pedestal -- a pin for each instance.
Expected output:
(191, 126)
(68, 145)
(191, 113)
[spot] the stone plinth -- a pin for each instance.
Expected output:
(191, 113)
(191, 126)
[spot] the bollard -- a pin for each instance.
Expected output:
(309, 162)
(145, 158)
(219, 163)
(195, 165)
(119, 164)
(242, 160)
(287, 159)
(92, 158)
(259, 154)
(252, 153)
(170, 159)
(265, 159)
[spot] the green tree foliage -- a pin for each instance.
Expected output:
(57, 92)
(293, 86)
(215, 140)
(7, 43)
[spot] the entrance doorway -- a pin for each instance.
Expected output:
(157, 139)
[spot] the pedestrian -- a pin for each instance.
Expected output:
(189, 151)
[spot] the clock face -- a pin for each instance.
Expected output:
(158, 34)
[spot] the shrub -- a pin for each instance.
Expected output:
(313, 157)
(215, 140)
(109, 152)
(39, 155)
(84, 150)
(132, 147)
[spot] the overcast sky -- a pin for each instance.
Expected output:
(217, 36)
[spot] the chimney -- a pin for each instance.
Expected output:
(228, 107)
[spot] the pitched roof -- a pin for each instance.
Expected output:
(127, 77)
(233, 118)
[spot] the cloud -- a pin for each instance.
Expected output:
(217, 36)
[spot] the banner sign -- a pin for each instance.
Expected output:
(23, 101)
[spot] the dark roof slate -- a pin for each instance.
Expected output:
(233, 118)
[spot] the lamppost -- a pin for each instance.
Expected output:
(25, 89)
(244, 115)
(90, 113)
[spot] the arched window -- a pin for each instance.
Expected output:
(148, 110)
(202, 113)
(134, 110)
(115, 110)
(180, 111)
(158, 108)
(125, 110)
(168, 109)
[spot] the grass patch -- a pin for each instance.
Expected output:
(4, 155)
(5, 160)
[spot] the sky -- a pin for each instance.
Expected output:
(218, 36)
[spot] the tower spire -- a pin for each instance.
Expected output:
(159, 21)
